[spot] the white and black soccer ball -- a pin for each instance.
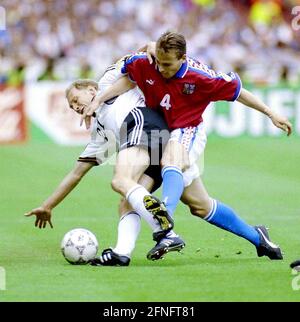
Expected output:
(79, 246)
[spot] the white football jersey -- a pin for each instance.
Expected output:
(109, 118)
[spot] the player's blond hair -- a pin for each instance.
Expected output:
(172, 40)
(80, 84)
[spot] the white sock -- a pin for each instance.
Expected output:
(128, 231)
(135, 196)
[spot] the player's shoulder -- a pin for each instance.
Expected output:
(136, 61)
(118, 64)
(139, 56)
(206, 73)
(200, 69)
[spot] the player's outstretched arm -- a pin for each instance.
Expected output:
(121, 86)
(43, 213)
(253, 101)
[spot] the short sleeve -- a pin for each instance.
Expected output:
(93, 153)
(223, 87)
(131, 66)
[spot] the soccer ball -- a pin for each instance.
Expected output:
(79, 246)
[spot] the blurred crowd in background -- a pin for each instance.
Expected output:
(69, 39)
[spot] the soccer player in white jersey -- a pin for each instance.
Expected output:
(140, 134)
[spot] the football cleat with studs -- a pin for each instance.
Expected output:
(110, 258)
(159, 212)
(164, 245)
(266, 247)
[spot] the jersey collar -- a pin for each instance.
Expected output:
(182, 70)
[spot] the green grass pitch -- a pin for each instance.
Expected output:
(259, 178)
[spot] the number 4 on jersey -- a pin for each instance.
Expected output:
(165, 102)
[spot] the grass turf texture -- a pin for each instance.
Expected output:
(257, 177)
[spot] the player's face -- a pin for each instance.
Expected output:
(79, 99)
(168, 63)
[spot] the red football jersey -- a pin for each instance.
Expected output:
(184, 97)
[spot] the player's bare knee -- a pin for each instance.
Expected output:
(197, 212)
(201, 209)
(168, 162)
(181, 163)
(175, 155)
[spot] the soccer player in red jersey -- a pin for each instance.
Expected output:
(181, 88)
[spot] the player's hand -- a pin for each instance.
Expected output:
(43, 216)
(88, 113)
(150, 51)
(86, 117)
(282, 123)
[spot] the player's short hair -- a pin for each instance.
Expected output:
(171, 40)
(80, 84)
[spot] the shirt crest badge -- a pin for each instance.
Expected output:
(188, 88)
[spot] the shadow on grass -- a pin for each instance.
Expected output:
(181, 260)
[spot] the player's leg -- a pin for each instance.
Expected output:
(174, 160)
(129, 224)
(166, 241)
(224, 217)
(199, 201)
(128, 231)
(183, 149)
(130, 165)
(133, 159)
(186, 146)
(216, 213)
